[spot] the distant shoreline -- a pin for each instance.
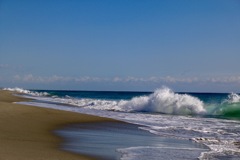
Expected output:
(27, 132)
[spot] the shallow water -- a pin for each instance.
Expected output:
(111, 140)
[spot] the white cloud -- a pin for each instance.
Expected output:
(229, 79)
(117, 79)
(4, 66)
(38, 79)
(168, 79)
(89, 79)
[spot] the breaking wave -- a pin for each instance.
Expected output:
(165, 101)
(230, 108)
(233, 98)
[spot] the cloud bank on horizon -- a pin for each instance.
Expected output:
(137, 83)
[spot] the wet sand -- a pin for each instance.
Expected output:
(27, 132)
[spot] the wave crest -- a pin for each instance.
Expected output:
(165, 101)
(233, 98)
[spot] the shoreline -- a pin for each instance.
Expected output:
(114, 141)
(28, 132)
(37, 131)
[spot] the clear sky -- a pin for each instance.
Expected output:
(187, 45)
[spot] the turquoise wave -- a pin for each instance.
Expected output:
(225, 110)
(231, 111)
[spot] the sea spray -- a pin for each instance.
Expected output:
(165, 101)
(233, 98)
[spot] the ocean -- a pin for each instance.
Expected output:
(206, 124)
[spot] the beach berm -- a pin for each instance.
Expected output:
(27, 132)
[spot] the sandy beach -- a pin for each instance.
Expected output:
(26, 132)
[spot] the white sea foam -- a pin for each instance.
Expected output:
(165, 101)
(233, 98)
(158, 153)
(24, 91)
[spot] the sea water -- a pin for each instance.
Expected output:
(210, 119)
(114, 140)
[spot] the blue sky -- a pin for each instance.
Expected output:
(188, 45)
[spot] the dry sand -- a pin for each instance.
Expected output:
(26, 132)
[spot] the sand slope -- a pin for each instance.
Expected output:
(26, 132)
